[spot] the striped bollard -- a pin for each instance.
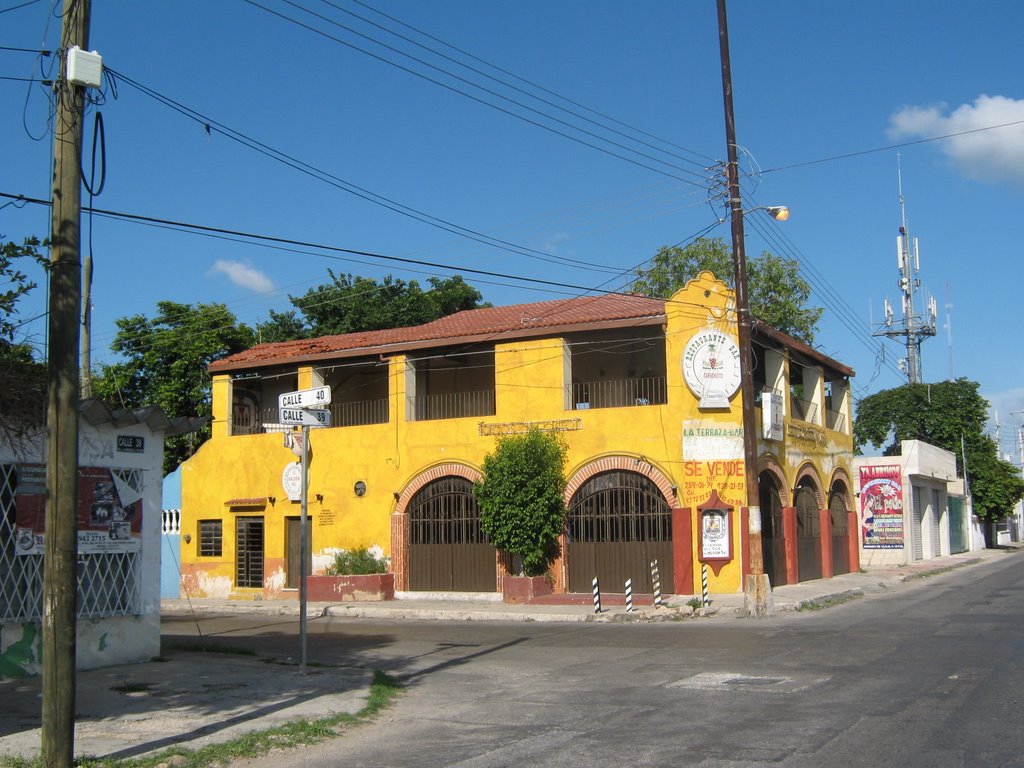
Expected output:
(597, 596)
(629, 595)
(704, 583)
(656, 580)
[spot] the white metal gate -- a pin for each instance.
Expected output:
(916, 543)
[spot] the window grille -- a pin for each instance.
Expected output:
(108, 582)
(210, 538)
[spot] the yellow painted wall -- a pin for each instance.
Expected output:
(529, 386)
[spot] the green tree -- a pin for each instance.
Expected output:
(349, 304)
(777, 293)
(522, 509)
(165, 360)
(950, 415)
(22, 377)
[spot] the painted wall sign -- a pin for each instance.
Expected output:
(706, 440)
(131, 444)
(881, 507)
(711, 367)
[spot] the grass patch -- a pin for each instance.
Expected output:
(830, 602)
(383, 691)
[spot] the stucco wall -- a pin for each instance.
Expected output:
(699, 451)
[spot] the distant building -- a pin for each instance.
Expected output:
(911, 506)
(119, 487)
(643, 391)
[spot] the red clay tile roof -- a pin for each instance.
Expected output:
(495, 323)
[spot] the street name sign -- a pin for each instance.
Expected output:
(313, 417)
(305, 398)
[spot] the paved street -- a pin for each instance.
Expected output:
(930, 675)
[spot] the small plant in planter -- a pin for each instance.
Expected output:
(522, 510)
(357, 562)
(357, 574)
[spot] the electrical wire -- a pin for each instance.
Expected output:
(211, 125)
(483, 101)
(527, 82)
(516, 88)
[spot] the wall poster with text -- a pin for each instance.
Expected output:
(109, 515)
(881, 506)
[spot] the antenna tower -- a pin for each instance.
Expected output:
(912, 328)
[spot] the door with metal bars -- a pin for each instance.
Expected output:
(808, 531)
(448, 552)
(619, 523)
(249, 552)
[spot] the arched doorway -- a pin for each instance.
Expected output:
(773, 542)
(808, 530)
(447, 550)
(619, 523)
(840, 517)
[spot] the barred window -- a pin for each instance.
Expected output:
(210, 537)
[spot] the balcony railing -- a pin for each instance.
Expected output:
(803, 410)
(618, 393)
(835, 420)
(452, 405)
(359, 413)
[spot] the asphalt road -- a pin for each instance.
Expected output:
(930, 675)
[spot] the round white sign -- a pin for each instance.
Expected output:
(711, 367)
(291, 481)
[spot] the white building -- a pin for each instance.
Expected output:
(911, 506)
(119, 488)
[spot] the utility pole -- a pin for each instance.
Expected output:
(757, 589)
(912, 329)
(60, 564)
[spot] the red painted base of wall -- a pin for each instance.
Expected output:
(523, 589)
(349, 589)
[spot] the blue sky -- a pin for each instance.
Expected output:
(824, 92)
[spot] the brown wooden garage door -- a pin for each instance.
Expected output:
(447, 550)
(619, 522)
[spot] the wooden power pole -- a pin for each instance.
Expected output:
(60, 565)
(757, 588)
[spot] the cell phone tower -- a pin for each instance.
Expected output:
(913, 328)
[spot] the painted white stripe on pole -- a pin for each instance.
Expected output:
(656, 580)
(629, 595)
(597, 596)
(704, 583)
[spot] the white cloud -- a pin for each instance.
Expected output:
(242, 275)
(992, 155)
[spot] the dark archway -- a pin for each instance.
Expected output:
(840, 516)
(773, 540)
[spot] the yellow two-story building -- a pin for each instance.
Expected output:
(644, 393)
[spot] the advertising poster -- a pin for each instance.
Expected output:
(881, 507)
(109, 510)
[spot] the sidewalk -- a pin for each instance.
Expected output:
(194, 699)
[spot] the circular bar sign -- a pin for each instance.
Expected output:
(711, 367)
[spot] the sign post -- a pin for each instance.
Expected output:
(303, 548)
(304, 408)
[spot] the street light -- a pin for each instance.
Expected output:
(757, 589)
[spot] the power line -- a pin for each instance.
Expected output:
(507, 84)
(528, 82)
(211, 125)
(892, 146)
(479, 100)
